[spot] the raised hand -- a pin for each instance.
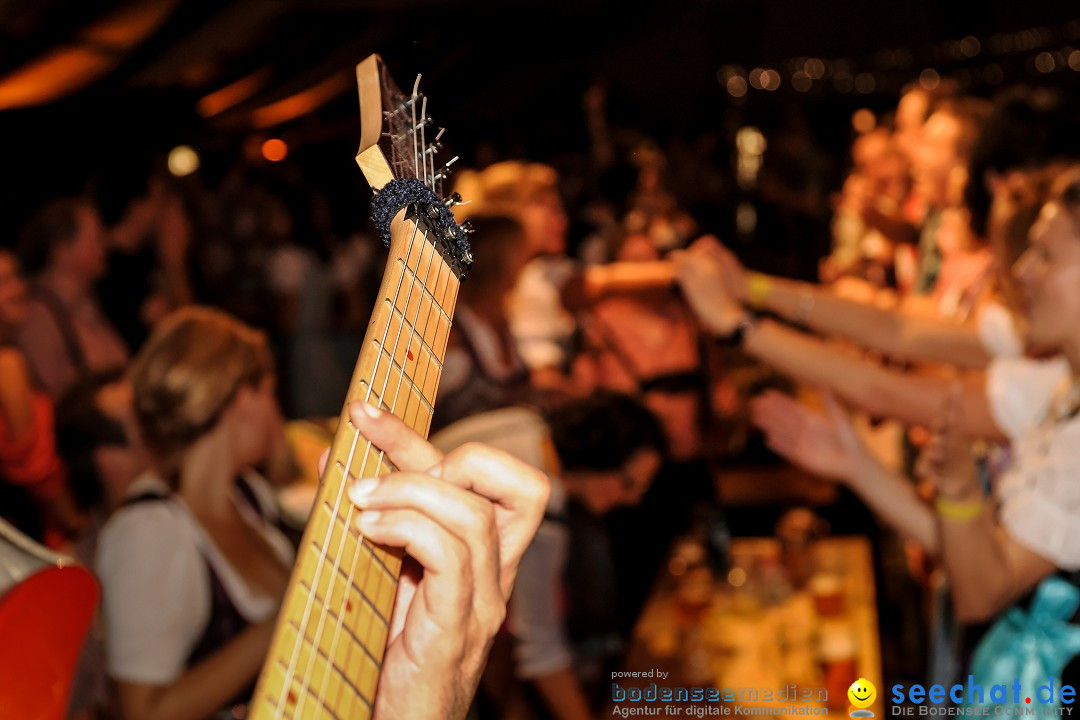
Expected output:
(464, 520)
(733, 273)
(824, 444)
(704, 271)
(947, 461)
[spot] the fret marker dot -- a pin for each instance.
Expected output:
(410, 355)
(348, 606)
(292, 698)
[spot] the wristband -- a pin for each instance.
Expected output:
(960, 511)
(758, 289)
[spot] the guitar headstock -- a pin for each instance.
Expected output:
(398, 148)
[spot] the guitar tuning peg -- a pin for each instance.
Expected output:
(467, 227)
(454, 200)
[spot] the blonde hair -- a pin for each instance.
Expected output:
(503, 188)
(186, 375)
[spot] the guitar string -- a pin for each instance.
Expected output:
(393, 408)
(318, 635)
(382, 393)
(298, 643)
(416, 156)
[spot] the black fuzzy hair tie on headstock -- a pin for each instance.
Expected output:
(397, 194)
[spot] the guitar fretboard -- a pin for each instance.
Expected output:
(327, 652)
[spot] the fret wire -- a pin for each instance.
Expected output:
(427, 291)
(279, 711)
(338, 558)
(360, 591)
(392, 354)
(410, 383)
(349, 632)
(342, 674)
(424, 344)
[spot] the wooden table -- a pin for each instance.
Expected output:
(751, 644)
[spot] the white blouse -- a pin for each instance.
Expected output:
(1039, 490)
(997, 331)
(156, 589)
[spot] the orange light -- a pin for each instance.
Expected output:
(863, 120)
(275, 150)
(221, 100)
(94, 52)
(301, 103)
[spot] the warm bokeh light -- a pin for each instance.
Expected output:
(970, 46)
(750, 144)
(750, 141)
(183, 160)
(736, 86)
(863, 120)
(1074, 60)
(770, 80)
(865, 83)
(1045, 62)
(801, 81)
(993, 74)
(814, 68)
(745, 218)
(755, 78)
(233, 94)
(275, 150)
(302, 102)
(929, 79)
(97, 50)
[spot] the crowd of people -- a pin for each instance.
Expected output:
(155, 336)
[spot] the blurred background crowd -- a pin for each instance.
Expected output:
(753, 304)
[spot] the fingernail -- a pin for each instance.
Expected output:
(368, 518)
(360, 490)
(370, 410)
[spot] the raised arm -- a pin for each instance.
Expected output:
(826, 444)
(904, 336)
(882, 392)
(988, 569)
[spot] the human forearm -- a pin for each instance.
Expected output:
(858, 381)
(205, 688)
(894, 499)
(562, 695)
(974, 564)
(904, 396)
(602, 280)
(890, 331)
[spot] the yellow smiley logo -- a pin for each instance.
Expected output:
(862, 694)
